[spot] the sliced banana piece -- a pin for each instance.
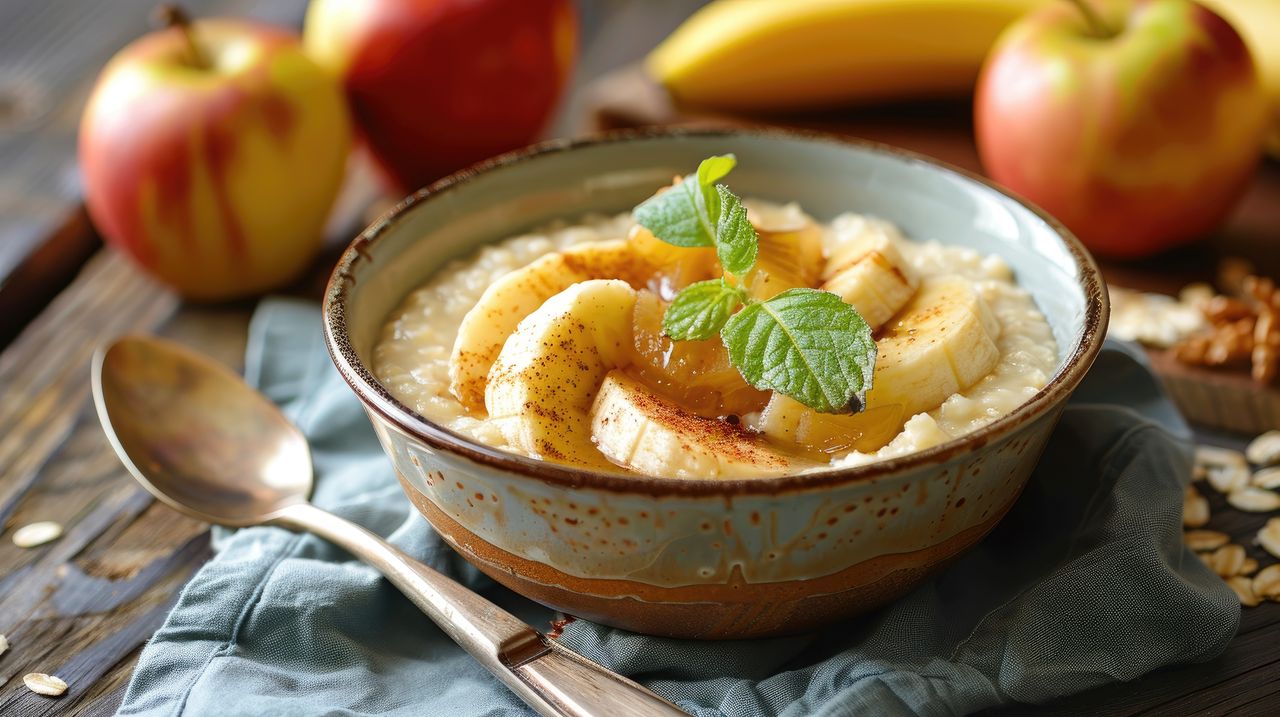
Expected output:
(650, 434)
(516, 295)
(542, 384)
(868, 272)
(787, 421)
(942, 341)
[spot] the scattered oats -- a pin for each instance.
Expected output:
(1243, 588)
(1266, 584)
(43, 684)
(1195, 509)
(1225, 469)
(1198, 472)
(1227, 480)
(1225, 561)
(30, 536)
(1196, 294)
(1267, 478)
(1265, 449)
(1269, 537)
(1254, 500)
(1152, 319)
(1248, 567)
(1203, 540)
(1217, 456)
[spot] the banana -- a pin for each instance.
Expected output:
(542, 384)
(640, 430)
(942, 342)
(637, 261)
(1258, 21)
(791, 423)
(866, 270)
(786, 54)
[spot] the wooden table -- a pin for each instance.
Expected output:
(83, 606)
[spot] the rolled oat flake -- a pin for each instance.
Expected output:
(1265, 449)
(43, 684)
(30, 536)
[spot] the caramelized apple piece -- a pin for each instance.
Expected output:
(786, 260)
(695, 373)
(672, 267)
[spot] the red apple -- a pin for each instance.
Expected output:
(1138, 123)
(437, 85)
(211, 153)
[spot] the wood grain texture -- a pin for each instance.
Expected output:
(80, 607)
(83, 606)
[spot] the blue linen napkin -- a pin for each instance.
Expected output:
(1085, 582)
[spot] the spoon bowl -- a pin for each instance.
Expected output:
(196, 436)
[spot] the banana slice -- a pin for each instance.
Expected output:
(516, 295)
(651, 434)
(790, 423)
(542, 384)
(868, 272)
(942, 342)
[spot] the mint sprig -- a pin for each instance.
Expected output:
(701, 310)
(803, 343)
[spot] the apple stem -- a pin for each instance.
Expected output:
(175, 17)
(1092, 18)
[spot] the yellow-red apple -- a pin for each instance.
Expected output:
(211, 153)
(436, 85)
(1137, 123)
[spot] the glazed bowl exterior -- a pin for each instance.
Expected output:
(711, 558)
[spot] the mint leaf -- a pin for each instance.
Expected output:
(736, 239)
(677, 216)
(713, 169)
(687, 214)
(700, 310)
(806, 344)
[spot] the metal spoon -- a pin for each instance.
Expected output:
(205, 443)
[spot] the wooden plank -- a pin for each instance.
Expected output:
(82, 606)
(45, 373)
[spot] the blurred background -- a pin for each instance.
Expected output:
(225, 149)
(52, 51)
(434, 85)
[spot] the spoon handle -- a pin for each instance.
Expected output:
(552, 679)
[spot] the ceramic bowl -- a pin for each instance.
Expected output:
(711, 558)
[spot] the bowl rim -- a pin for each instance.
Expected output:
(378, 399)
